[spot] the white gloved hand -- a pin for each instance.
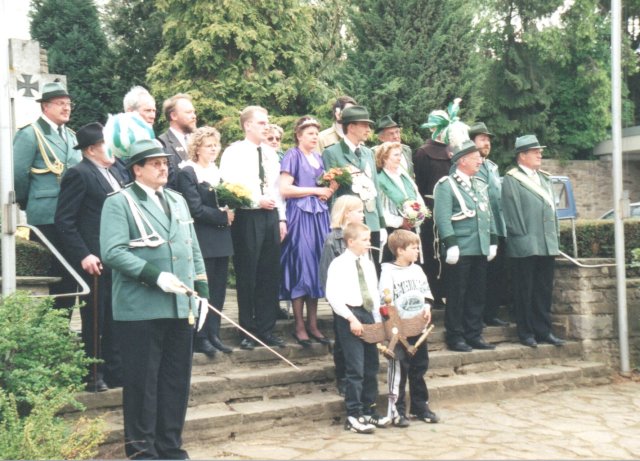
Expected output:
(383, 237)
(203, 310)
(493, 251)
(169, 283)
(453, 255)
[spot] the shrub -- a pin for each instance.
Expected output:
(31, 258)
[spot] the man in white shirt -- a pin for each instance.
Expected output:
(257, 230)
(181, 115)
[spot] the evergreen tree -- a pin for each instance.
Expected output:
(134, 28)
(411, 57)
(70, 32)
(230, 54)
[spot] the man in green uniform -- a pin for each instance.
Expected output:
(468, 236)
(532, 241)
(148, 240)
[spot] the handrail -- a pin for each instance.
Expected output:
(579, 264)
(64, 262)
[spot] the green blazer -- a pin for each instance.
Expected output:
(472, 235)
(37, 193)
(530, 216)
(490, 174)
(339, 155)
(136, 295)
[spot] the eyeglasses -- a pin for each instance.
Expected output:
(63, 104)
(273, 138)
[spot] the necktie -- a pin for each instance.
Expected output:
(367, 302)
(163, 203)
(260, 169)
(358, 152)
(61, 133)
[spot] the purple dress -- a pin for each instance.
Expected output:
(308, 226)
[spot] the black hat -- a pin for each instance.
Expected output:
(53, 90)
(89, 134)
(479, 128)
(386, 122)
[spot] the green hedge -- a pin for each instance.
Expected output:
(31, 258)
(596, 238)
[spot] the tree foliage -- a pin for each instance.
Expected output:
(70, 32)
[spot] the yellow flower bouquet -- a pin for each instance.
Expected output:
(233, 195)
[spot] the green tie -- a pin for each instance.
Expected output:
(367, 302)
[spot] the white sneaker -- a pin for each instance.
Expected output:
(377, 420)
(358, 425)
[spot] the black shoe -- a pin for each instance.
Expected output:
(551, 339)
(530, 342)
(481, 344)
(203, 346)
(247, 344)
(496, 322)
(459, 346)
(215, 341)
(283, 314)
(401, 421)
(98, 386)
(320, 339)
(306, 343)
(274, 341)
(428, 417)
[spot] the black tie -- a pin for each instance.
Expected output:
(260, 169)
(61, 133)
(164, 204)
(358, 152)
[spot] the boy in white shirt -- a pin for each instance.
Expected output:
(406, 284)
(352, 293)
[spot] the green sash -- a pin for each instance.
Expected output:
(395, 194)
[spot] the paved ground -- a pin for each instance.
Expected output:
(588, 423)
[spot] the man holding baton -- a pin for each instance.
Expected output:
(148, 240)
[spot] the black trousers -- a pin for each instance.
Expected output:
(256, 246)
(498, 286)
(156, 357)
(361, 366)
(217, 272)
(431, 266)
(101, 341)
(466, 284)
(67, 284)
(532, 294)
(413, 368)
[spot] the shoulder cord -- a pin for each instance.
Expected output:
(532, 186)
(465, 212)
(146, 240)
(57, 167)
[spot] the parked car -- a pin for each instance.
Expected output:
(634, 211)
(563, 194)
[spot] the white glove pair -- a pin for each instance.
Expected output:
(169, 283)
(453, 254)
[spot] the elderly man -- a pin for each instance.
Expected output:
(83, 191)
(389, 131)
(147, 238)
(139, 100)
(42, 152)
(257, 230)
(496, 271)
(351, 152)
(468, 239)
(181, 115)
(335, 132)
(532, 241)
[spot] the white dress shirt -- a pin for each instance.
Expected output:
(533, 174)
(55, 127)
(343, 287)
(107, 175)
(152, 194)
(239, 165)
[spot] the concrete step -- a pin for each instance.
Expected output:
(213, 422)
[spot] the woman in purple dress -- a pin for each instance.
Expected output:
(308, 226)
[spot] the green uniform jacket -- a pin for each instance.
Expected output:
(136, 295)
(472, 235)
(490, 174)
(38, 193)
(339, 155)
(532, 224)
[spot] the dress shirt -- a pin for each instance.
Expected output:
(350, 145)
(152, 194)
(239, 165)
(182, 139)
(342, 283)
(533, 174)
(107, 175)
(55, 127)
(465, 177)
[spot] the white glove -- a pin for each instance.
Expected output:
(383, 237)
(169, 283)
(493, 251)
(203, 310)
(453, 254)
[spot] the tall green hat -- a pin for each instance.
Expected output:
(467, 147)
(53, 90)
(479, 128)
(439, 121)
(142, 149)
(386, 122)
(526, 142)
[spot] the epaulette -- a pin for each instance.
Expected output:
(174, 191)
(23, 127)
(478, 178)
(443, 179)
(546, 173)
(120, 190)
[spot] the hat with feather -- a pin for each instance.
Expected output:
(439, 121)
(122, 130)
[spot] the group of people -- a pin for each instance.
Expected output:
(146, 228)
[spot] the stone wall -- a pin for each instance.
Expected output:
(585, 309)
(592, 182)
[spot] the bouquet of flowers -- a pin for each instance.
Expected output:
(414, 212)
(342, 176)
(233, 195)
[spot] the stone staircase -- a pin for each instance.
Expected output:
(251, 391)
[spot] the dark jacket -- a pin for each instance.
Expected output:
(177, 154)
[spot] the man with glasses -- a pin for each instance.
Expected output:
(42, 152)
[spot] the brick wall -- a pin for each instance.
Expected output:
(592, 183)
